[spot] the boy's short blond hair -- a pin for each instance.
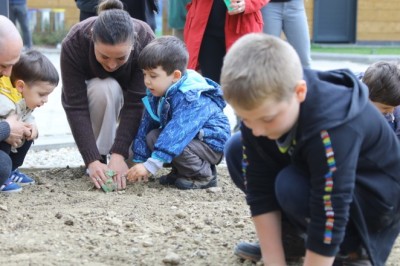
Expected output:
(259, 66)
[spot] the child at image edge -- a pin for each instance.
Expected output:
(183, 123)
(316, 153)
(383, 82)
(32, 79)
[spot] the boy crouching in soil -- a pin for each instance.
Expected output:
(183, 123)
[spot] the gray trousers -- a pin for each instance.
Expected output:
(105, 103)
(196, 159)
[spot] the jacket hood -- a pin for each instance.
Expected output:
(333, 98)
(193, 85)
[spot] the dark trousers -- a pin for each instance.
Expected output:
(196, 159)
(19, 13)
(211, 56)
(18, 157)
(84, 15)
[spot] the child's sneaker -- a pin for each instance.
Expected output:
(10, 187)
(21, 178)
(196, 183)
(169, 179)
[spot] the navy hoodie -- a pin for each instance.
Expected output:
(352, 158)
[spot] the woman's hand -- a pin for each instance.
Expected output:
(97, 172)
(118, 165)
(138, 173)
(237, 7)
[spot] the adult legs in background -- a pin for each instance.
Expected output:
(211, 56)
(105, 103)
(19, 13)
(289, 17)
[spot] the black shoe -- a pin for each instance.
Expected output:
(169, 179)
(293, 246)
(196, 183)
(356, 258)
(248, 251)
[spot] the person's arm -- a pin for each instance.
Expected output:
(73, 62)
(312, 259)
(268, 228)
(331, 158)
(263, 161)
(246, 6)
(255, 5)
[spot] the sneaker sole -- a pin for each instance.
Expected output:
(26, 184)
(11, 191)
(213, 183)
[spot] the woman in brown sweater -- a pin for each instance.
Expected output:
(103, 86)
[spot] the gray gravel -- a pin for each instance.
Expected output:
(53, 158)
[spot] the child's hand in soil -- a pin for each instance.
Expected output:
(137, 173)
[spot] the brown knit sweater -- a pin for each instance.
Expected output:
(78, 64)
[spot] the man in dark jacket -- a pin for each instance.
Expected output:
(144, 10)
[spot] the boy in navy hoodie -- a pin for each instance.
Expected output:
(314, 154)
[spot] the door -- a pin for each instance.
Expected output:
(335, 21)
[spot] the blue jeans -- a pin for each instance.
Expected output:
(5, 167)
(20, 13)
(289, 17)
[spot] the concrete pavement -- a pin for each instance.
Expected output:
(53, 125)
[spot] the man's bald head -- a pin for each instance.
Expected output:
(10, 45)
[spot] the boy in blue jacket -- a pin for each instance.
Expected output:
(315, 154)
(183, 123)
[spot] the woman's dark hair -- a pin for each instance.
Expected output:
(32, 67)
(113, 25)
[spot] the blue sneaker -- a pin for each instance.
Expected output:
(21, 178)
(10, 187)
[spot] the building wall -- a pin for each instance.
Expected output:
(377, 20)
(71, 12)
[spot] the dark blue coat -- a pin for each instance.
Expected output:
(352, 157)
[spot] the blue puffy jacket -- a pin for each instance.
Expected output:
(191, 108)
